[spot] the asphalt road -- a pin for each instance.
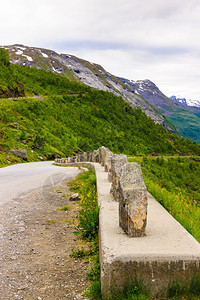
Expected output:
(36, 237)
(23, 178)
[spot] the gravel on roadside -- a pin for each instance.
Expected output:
(36, 240)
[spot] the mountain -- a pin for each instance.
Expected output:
(86, 72)
(186, 118)
(70, 117)
(142, 93)
(184, 101)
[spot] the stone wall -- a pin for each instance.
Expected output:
(128, 187)
(166, 254)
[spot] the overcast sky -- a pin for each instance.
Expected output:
(136, 39)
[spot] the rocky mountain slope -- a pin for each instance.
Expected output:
(186, 118)
(88, 73)
(141, 93)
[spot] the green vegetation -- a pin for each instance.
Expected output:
(41, 82)
(65, 125)
(72, 117)
(188, 291)
(50, 221)
(65, 208)
(9, 83)
(174, 182)
(187, 121)
(85, 185)
(16, 80)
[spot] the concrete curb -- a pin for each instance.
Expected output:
(167, 253)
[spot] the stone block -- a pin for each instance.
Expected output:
(91, 156)
(22, 153)
(81, 157)
(88, 155)
(72, 159)
(104, 153)
(101, 154)
(107, 163)
(95, 156)
(132, 200)
(84, 156)
(117, 161)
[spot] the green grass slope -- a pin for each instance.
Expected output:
(64, 125)
(10, 86)
(186, 119)
(73, 117)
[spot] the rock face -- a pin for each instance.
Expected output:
(132, 200)
(22, 153)
(117, 161)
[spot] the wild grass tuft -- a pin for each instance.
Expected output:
(85, 185)
(65, 208)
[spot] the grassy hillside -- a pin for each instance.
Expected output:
(80, 119)
(9, 83)
(67, 124)
(175, 183)
(186, 119)
(32, 81)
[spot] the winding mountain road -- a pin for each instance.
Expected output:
(23, 178)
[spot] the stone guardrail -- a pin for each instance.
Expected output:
(128, 187)
(160, 251)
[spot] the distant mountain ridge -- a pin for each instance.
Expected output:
(142, 93)
(184, 117)
(187, 102)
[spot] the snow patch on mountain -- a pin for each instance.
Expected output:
(28, 57)
(22, 48)
(44, 55)
(193, 103)
(19, 52)
(187, 102)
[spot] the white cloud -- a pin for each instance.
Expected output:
(138, 39)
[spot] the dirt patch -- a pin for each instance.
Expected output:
(36, 240)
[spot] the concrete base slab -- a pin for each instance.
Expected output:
(167, 252)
